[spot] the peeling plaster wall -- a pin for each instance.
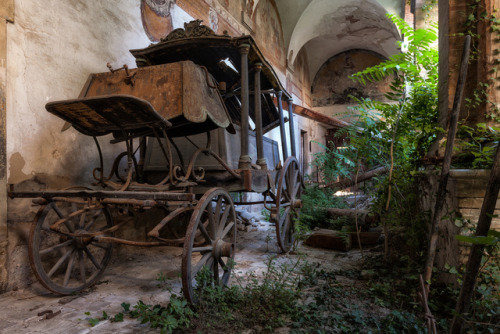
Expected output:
(6, 16)
(53, 46)
(332, 87)
(330, 28)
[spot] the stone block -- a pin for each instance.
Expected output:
(473, 203)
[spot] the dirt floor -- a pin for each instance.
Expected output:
(133, 276)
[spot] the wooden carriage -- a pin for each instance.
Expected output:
(184, 118)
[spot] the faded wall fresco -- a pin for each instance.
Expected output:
(156, 18)
(268, 33)
(332, 85)
(262, 21)
(298, 82)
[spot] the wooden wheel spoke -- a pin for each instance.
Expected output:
(222, 222)
(63, 216)
(222, 263)
(293, 181)
(82, 266)
(50, 249)
(69, 269)
(216, 271)
(59, 262)
(48, 230)
(83, 219)
(204, 259)
(218, 208)
(296, 190)
(92, 258)
(92, 220)
(205, 233)
(226, 275)
(227, 229)
(286, 196)
(287, 203)
(211, 218)
(201, 249)
(214, 218)
(283, 217)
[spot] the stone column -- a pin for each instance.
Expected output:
(6, 16)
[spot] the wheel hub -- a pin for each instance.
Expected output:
(83, 241)
(297, 204)
(223, 249)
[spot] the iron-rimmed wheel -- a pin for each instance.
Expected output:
(210, 241)
(288, 203)
(68, 260)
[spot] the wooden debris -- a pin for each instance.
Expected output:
(345, 183)
(330, 239)
(365, 218)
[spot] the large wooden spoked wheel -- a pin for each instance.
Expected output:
(288, 203)
(68, 260)
(210, 241)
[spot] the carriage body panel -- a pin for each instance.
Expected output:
(181, 93)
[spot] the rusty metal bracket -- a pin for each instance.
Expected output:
(128, 79)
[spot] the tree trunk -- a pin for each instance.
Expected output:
(363, 177)
(443, 182)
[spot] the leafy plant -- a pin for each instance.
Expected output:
(476, 146)
(315, 202)
(176, 315)
(396, 132)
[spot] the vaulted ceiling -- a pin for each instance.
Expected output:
(325, 28)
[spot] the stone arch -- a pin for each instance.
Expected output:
(332, 85)
(327, 28)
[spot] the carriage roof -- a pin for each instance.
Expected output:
(200, 44)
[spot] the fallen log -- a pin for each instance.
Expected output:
(330, 239)
(365, 217)
(344, 183)
(341, 240)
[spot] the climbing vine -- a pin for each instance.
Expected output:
(476, 142)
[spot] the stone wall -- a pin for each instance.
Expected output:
(332, 88)
(465, 194)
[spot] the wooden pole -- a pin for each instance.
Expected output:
(362, 177)
(476, 253)
(445, 172)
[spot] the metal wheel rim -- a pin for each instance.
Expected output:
(80, 265)
(198, 253)
(287, 193)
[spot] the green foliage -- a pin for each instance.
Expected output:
(405, 122)
(408, 117)
(336, 307)
(397, 131)
(176, 315)
(315, 202)
(476, 146)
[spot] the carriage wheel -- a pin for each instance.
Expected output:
(210, 241)
(288, 203)
(63, 263)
